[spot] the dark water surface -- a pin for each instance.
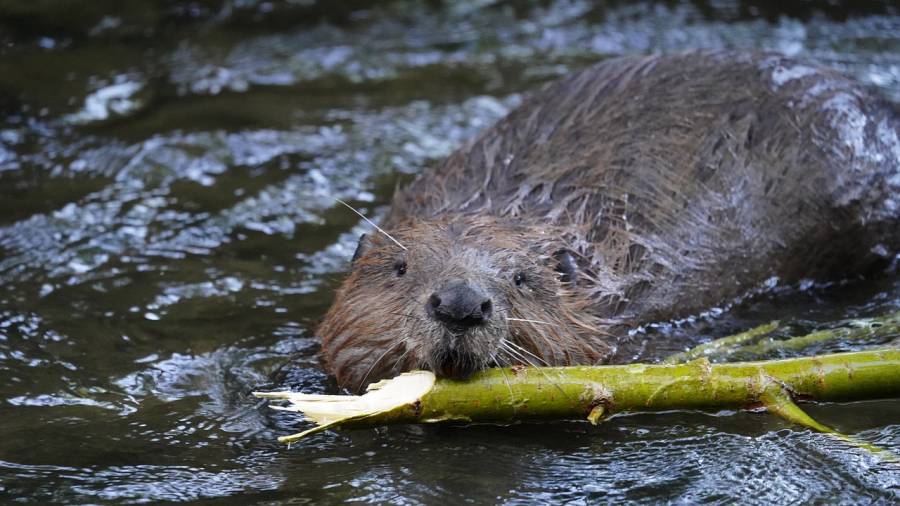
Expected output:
(168, 241)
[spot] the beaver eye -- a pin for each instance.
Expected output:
(400, 267)
(519, 278)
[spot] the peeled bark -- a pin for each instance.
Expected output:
(520, 393)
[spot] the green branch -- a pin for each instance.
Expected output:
(754, 343)
(500, 395)
(722, 346)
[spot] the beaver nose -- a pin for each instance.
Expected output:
(460, 306)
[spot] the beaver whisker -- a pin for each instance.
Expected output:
(505, 378)
(520, 347)
(397, 363)
(518, 357)
(370, 222)
(507, 358)
(513, 353)
(496, 358)
(540, 334)
(372, 367)
(550, 380)
(529, 321)
(417, 324)
(512, 360)
(551, 347)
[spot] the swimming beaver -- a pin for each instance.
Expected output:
(641, 189)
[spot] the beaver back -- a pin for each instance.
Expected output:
(686, 180)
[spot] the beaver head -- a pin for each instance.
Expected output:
(461, 294)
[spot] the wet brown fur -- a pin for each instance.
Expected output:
(678, 183)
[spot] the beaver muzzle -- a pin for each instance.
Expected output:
(459, 308)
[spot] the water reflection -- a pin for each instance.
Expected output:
(168, 240)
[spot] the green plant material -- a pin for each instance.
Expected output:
(521, 393)
(852, 331)
(723, 345)
(777, 400)
(736, 346)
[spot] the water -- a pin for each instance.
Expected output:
(168, 241)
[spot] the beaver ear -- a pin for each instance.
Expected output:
(566, 266)
(364, 245)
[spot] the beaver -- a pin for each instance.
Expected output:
(641, 189)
